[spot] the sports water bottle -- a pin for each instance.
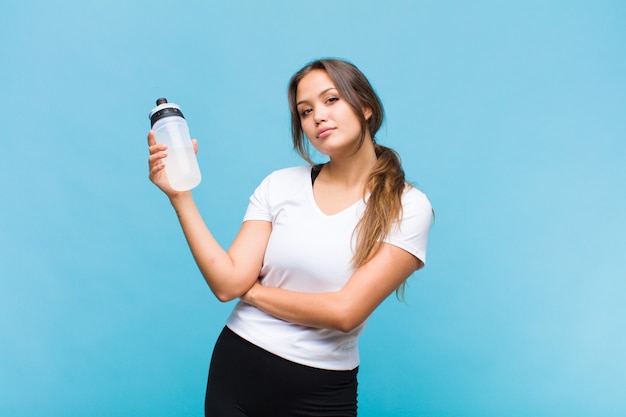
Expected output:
(170, 128)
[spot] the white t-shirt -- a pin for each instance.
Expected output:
(309, 251)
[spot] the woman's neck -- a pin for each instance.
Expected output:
(352, 170)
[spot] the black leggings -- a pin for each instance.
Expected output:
(245, 380)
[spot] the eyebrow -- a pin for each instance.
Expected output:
(320, 94)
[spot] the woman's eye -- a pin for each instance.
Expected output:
(305, 112)
(332, 99)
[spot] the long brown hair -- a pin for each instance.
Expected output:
(386, 181)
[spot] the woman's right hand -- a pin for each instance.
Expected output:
(157, 175)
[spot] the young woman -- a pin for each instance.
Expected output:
(320, 247)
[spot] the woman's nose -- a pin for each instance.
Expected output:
(320, 115)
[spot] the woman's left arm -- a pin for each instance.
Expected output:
(347, 308)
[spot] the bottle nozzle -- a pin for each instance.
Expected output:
(161, 101)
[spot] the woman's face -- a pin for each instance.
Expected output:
(328, 121)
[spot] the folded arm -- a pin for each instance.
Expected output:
(344, 309)
(229, 273)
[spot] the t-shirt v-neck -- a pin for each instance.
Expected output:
(315, 171)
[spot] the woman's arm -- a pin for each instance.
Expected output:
(347, 308)
(229, 274)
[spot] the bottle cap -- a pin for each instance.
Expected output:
(164, 109)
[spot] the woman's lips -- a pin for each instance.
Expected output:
(323, 133)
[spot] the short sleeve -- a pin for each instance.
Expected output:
(411, 233)
(259, 207)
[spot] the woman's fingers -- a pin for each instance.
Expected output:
(155, 159)
(151, 140)
(157, 151)
(155, 169)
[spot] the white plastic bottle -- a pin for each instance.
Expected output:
(170, 128)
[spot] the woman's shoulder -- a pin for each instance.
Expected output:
(292, 171)
(286, 179)
(413, 196)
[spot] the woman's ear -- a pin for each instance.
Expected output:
(367, 112)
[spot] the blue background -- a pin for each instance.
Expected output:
(509, 115)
